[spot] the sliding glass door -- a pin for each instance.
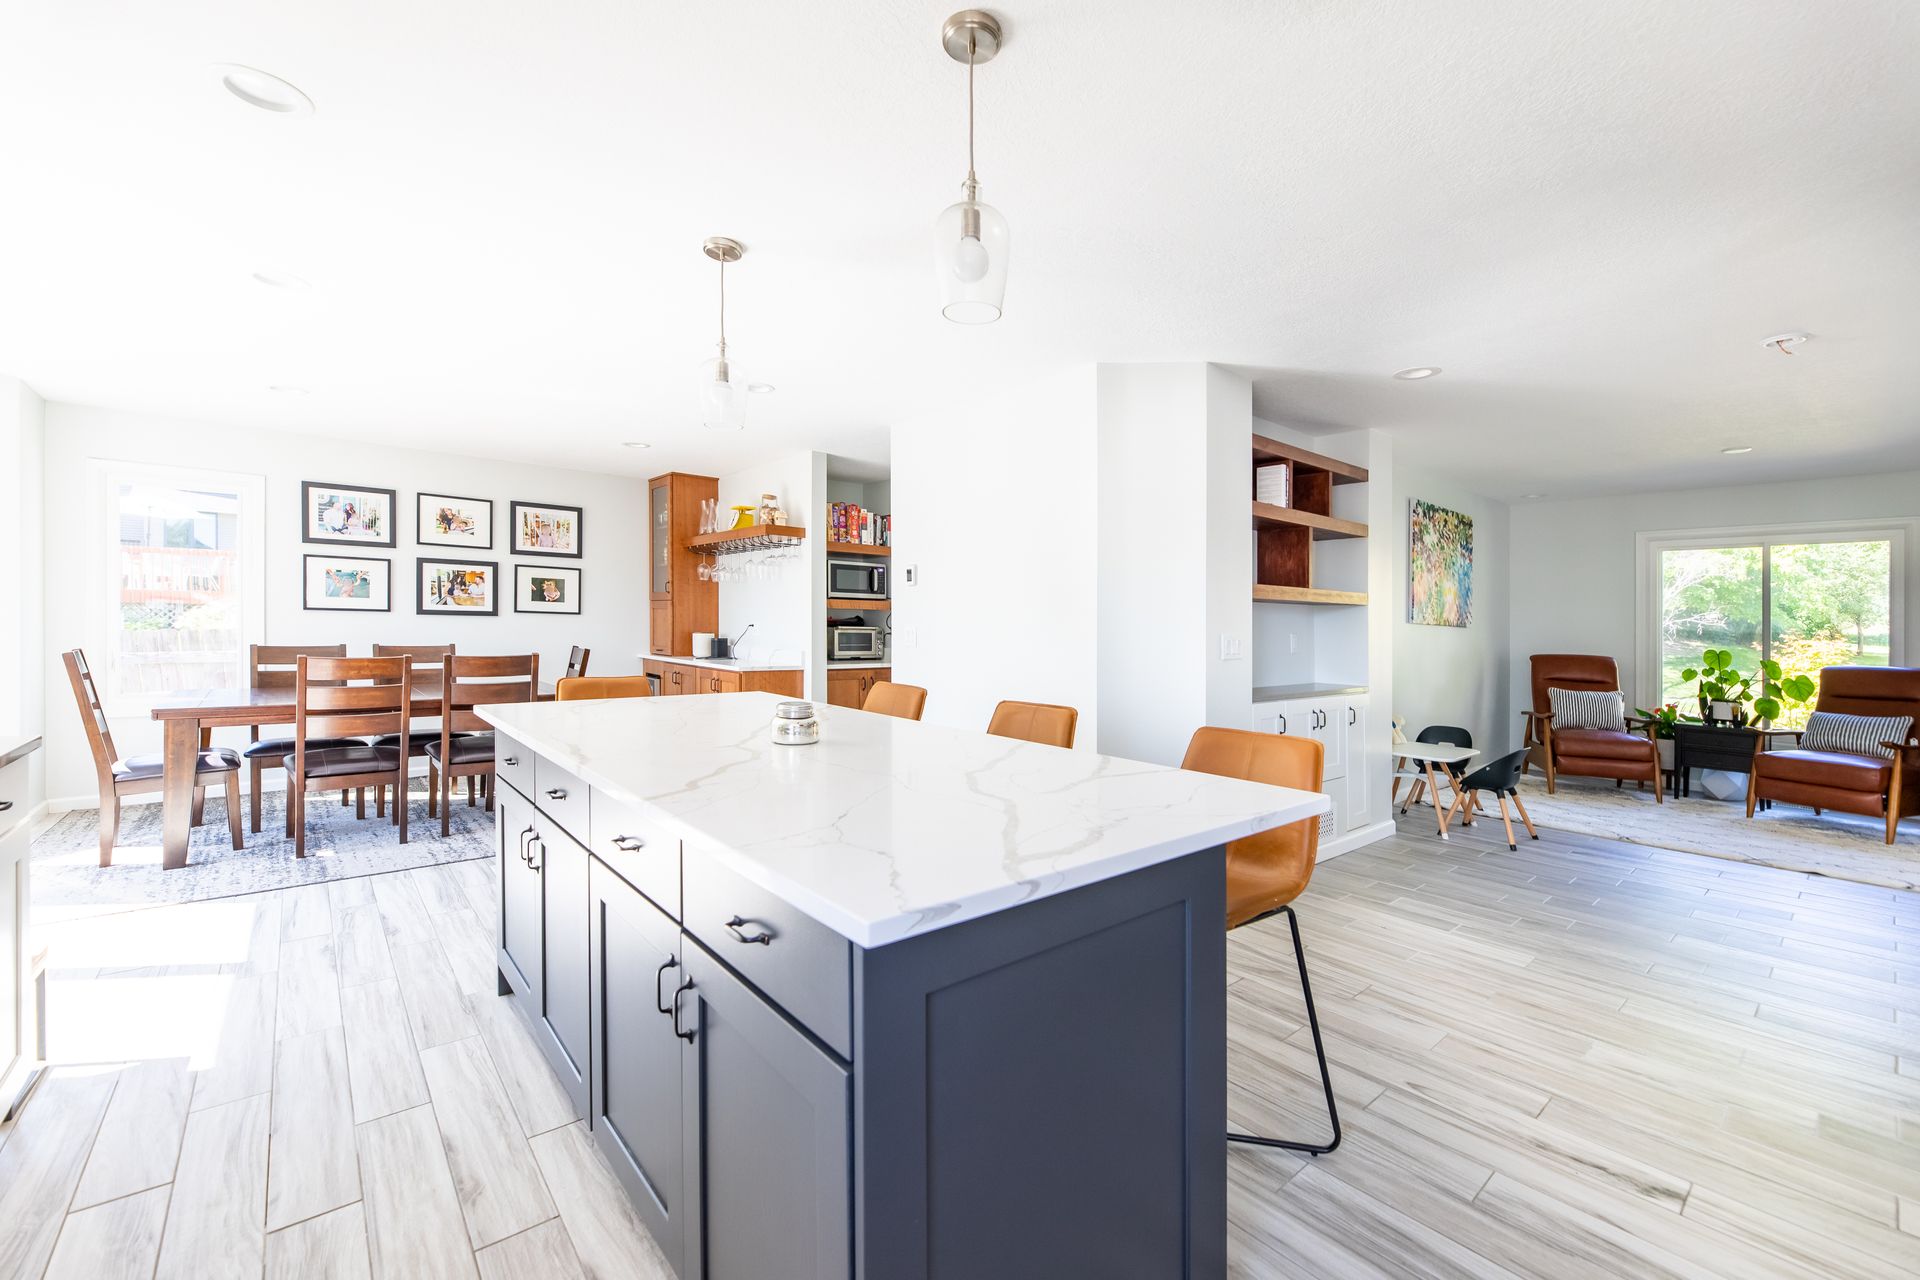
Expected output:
(1805, 603)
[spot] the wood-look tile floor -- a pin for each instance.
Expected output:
(1580, 1059)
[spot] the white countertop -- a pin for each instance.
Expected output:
(858, 664)
(888, 828)
(750, 663)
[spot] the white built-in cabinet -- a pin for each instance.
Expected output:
(1339, 724)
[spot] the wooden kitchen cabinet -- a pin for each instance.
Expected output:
(850, 688)
(679, 603)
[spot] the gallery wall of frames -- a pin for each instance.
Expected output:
(349, 522)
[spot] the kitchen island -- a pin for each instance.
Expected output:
(908, 1002)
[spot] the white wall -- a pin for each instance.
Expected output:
(22, 572)
(1455, 675)
(786, 612)
(995, 506)
(613, 621)
(1573, 577)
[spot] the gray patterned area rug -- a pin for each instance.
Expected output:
(68, 880)
(1844, 846)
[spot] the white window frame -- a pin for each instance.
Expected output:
(1647, 580)
(106, 475)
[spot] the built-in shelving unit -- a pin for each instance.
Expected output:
(857, 549)
(1283, 568)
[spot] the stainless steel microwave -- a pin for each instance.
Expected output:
(855, 642)
(856, 579)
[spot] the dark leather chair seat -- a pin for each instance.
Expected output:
(417, 740)
(1827, 769)
(272, 748)
(212, 760)
(468, 748)
(1601, 744)
(334, 762)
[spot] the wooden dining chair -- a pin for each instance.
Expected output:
(904, 701)
(577, 663)
(349, 697)
(1041, 722)
(271, 666)
(469, 683)
(584, 688)
(1266, 872)
(429, 664)
(143, 774)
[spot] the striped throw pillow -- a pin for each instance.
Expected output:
(1588, 709)
(1856, 735)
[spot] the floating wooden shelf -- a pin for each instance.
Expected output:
(1307, 595)
(858, 549)
(1268, 516)
(881, 605)
(758, 537)
(1267, 450)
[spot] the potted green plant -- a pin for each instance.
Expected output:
(1663, 719)
(1726, 692)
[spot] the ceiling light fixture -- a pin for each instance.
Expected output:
(970, 238)
(1737, 448)
(1784, 343)
(635, 444)
(1418, 372)
(723, 400)
(281, 280)
(263, 89)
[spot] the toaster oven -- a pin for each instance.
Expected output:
(854, 642)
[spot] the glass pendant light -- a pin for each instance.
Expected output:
(723, 385)
(970, 238)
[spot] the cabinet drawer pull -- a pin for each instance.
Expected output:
(5, 805)
(764, 937)
(1283, 724)
(524, 855)
(683, 987)
(532, 863)
(556, 793)
(629, 844)
(1352, 715)
(658, 1002)
(511, 760)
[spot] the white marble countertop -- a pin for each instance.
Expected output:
(1284, 692)
(750, 663)
(858, 664)
(888, 828)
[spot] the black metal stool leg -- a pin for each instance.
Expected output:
(1319, 1052)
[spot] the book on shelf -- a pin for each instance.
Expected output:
(851, 523)
(1270, 484)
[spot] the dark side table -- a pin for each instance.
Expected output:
(1712, 746)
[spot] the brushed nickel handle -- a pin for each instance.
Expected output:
(764, 937)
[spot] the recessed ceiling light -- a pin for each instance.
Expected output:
(263, 89)
(1784, 343)
(635, 444)
(282, 280)
(280, 388)
(1418, 372)
(760, 388)
(1738, 448)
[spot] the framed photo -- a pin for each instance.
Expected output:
(542, 529)
(351, 584)
(459, 586)
(539, 589)
(447, 521)
(346, 513)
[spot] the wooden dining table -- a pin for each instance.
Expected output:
(188, 718)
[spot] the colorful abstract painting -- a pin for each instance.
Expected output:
(1439, 566)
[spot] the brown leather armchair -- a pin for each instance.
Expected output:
(1873, 785)
(1632, 756)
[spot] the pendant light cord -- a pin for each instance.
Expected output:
(971, 180)
(723, 308)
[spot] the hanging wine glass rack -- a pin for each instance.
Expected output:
(759, 537)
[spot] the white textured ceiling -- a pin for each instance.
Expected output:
(1588, 213)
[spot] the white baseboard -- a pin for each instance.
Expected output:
(1356, 839)
(275, 780)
